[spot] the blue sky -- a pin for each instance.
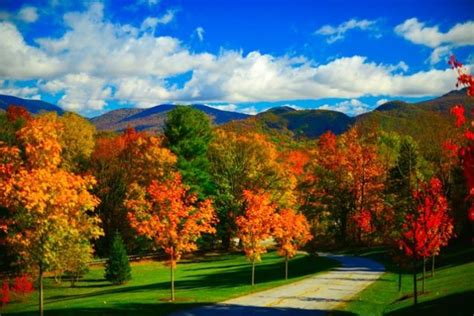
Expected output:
(95, 56)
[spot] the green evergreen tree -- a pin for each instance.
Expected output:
(117, 269)
(188, 133)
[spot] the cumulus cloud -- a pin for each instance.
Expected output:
(461, 34)
(338, 32)
(18, 60)
(95, 61)
(351, 107)
(21, 92)
(381, 101)
(91, 96)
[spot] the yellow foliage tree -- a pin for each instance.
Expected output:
(76, 139)
(46, 204)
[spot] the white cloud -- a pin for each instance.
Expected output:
(18, 60)
(28, 14)
(462, 34)
(21, 92)
(251, 110)
(81, 91)
(336, 33)
(380, 102)
(351, 107)
(224, 107)
(153, 22)
(200, 33)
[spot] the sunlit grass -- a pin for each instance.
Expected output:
(210, 279)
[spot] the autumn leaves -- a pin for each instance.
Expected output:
(172, 217)
(50, 208)
(260, 221)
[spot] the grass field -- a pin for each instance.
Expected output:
(210, 279)
(449, 292)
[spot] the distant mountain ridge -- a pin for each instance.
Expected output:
(154, 118)
(33, 106)
(307, 123)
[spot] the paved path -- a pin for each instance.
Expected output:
(312, 296)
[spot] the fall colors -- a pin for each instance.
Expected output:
(67, 190)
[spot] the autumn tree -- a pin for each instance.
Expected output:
(246, 162)
(427, 227)
(46, 204)
(324, 188)
(172, 217)
(465, 150)
(366, 180)
(10, 122)
(76, 253)
(77, 141)
(188, 133)
(291, 232)
(344, 185)
(119, 161)
(255, 225)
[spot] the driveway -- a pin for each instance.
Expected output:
(312, 296)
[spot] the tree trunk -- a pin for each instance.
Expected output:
(399, 277)
(424, 274)
(415, 292)
(432, 265)
(253, 272)
(286, 268)
(226, 241)
(40, 286)
(172, 277)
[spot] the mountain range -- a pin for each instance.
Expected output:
(308, 123)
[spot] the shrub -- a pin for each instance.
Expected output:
(5, 293)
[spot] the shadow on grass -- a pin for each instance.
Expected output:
(453, 305)
(189, 309)
(239, 265)
(218, 280)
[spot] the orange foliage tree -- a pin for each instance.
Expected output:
(291, 232)
(117, 163)
(343, 184)
(366, 181)
(255, 225)
(45, 203)
(171, 217)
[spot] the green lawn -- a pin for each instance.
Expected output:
(449, 292)
(211, 279)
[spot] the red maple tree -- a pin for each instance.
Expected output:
(428, 227)
(465, 150)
